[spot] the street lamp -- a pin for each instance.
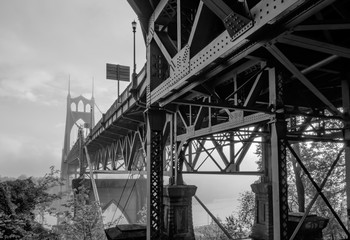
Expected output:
(133, 24)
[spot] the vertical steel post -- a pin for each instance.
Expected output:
(232, 148)
(178, 24)
(172, 143)
(155, 123)
(346, 113)
(118, 87)
(278, 159)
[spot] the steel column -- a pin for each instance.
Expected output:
(279, 179)
(155, 123)
(278, 159)
(346, 106)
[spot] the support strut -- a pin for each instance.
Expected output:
(319, 189)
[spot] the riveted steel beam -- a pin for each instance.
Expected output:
(224, 46)
(322, 26)
(235, 23)
(222, 105)
(195, 23)
(241, 122)
(125, 126)
(155, 123)
(290, 66)
(163, 49)
(314, 45)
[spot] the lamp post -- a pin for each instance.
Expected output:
(134, 24)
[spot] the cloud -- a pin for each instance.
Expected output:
(9, 146)
(27, 155)
(30, 85)
(60, 125)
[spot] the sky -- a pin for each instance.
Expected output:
(43, 43)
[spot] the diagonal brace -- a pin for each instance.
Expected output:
(319, 189)
(290, 66)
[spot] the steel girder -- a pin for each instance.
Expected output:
(189, 63)
(155, 147)
(123, 154)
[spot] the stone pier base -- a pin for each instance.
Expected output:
(177, 202)
(263, 225)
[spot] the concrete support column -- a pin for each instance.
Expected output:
(178, 223)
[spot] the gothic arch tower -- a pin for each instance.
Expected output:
(78, 108)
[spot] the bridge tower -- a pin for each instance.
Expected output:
(73, 115)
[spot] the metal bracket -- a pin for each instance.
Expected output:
(236, 24)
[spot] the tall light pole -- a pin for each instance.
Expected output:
(134, 24)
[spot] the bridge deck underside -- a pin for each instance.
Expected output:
(230, 89)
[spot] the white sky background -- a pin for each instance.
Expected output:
(42, 42)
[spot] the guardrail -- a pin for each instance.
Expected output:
(120, 106)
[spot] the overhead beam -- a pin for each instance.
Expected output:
(235, 23)
(220, 105)
(219, 149)
(195, 23)
(174, 87)
(159, 9)
(221, 9)
(245, 121)
(322, 27)
(134, 119)
(314, 45)
(128, 127)
(244, 173)
(254, 91)
(290, 66)
(163, 50)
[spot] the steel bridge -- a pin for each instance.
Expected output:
(227, 74)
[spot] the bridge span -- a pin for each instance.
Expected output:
(220, 76)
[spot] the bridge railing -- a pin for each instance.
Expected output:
(74, 152)
(120, 105)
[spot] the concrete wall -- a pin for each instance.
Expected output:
(128, 195)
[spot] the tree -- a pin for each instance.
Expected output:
(142, 215)
(82, 220)
(211, 232)
(317, 158)
(18, 201)
(237, 225)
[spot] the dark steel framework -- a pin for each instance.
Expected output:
(224, 75)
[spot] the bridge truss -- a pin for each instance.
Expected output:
(220, 76)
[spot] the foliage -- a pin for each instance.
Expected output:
(246, 211)
(82, 219)
(210, 232)
(22, 199)
(19, 200)
(237, 225)
(317, 158)
(142, 215)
